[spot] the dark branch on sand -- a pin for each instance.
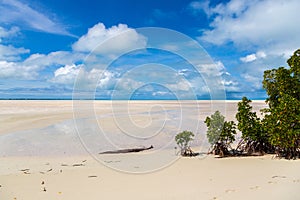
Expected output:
(133, 150)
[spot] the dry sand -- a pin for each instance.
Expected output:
(43, 158)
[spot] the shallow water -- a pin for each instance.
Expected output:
(88, 136)
(115, 125)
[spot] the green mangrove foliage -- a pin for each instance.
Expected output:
(254, 136)
(282, 120)
(278, 131)
(183, 140)
(220, 134)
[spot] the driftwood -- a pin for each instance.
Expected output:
(78, 165)
(133, 150)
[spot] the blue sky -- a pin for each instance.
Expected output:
(45, 45)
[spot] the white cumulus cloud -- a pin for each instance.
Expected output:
(15, 70)
(212, 70)
(124, 39)
(88, 79)
(249, 58)
(66, 74)
(5, 33)
(54, 58)
(253, 57)
(264, 25)
(11, 53)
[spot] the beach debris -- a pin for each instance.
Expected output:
(78, 164)
(44, 189)
(272, 182)
(255, 187)
(59, 193)
(64, 165)
(132, 150)
(43, 182)
(60, 171)
(49, 170)
(42, 172)
(83, 161)
(93, 176)
(25, 171)
(278, 176)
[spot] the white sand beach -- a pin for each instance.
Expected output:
(47, 154)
